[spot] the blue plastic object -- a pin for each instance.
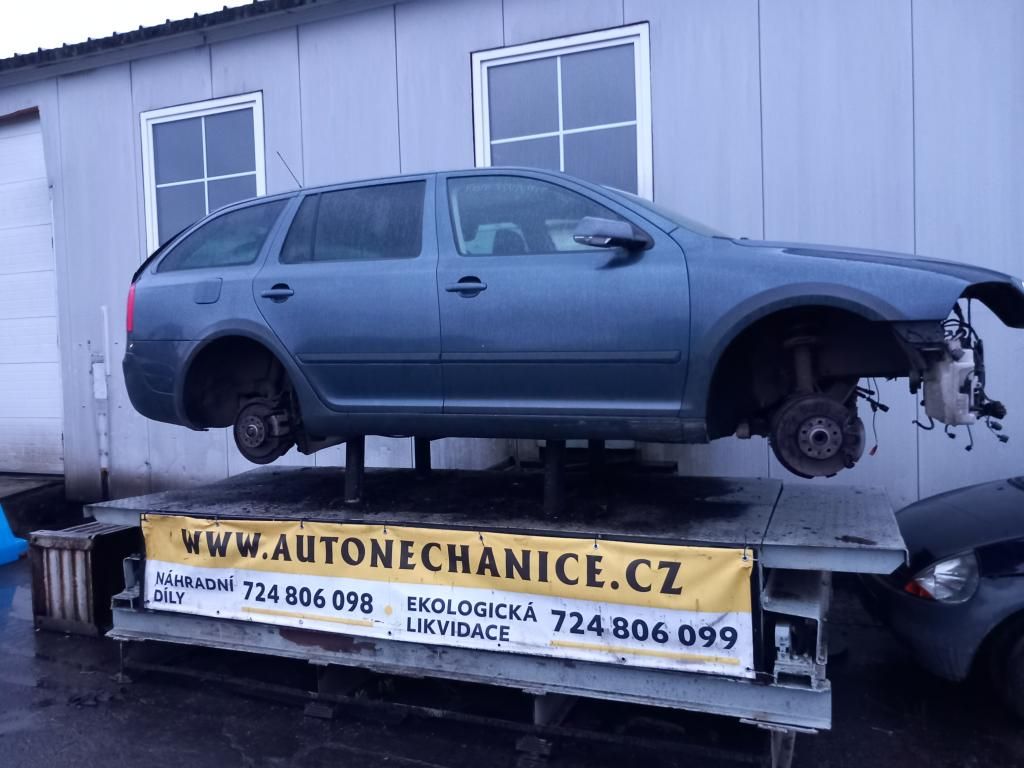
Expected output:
(11, 547)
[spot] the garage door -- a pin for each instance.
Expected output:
(31, 414)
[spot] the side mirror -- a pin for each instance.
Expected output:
(610, 233)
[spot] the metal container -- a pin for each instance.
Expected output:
(75, 572)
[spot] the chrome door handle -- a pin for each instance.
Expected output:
(279, 292)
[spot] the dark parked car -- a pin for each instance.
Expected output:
(960, 601)
(519, 303)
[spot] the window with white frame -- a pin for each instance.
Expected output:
(579, 104)
(199, 157)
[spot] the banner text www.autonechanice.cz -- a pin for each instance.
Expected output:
(640, 575)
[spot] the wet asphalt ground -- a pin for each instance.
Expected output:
(60, 705)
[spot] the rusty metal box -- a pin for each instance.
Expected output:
(76, 571)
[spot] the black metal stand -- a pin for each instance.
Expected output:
(421, 455)
(554, 477)
(355, 466)
(122, 664)
(783, 744)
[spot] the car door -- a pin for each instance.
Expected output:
(532, 322)
(352, 294)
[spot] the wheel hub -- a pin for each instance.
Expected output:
(819, 437)
(252, 432)
(262, 431)
(816, 436)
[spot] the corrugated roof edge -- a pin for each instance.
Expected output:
(52, 62)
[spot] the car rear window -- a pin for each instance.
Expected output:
(231, 239)
(362, 223)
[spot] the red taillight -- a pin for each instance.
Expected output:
(129, 322)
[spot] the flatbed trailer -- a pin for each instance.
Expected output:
(790, 539)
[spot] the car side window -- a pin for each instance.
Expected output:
(229, 240)
(358, 224)
(517, 216)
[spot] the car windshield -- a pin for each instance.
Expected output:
(678, 218)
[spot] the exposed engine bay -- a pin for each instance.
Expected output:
(954, 386)
(810, 411)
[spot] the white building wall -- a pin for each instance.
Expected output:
(837, 120)
(885, 123)
(707, 152)
(969, 152)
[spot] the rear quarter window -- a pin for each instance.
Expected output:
(229, 240)
(358, 224)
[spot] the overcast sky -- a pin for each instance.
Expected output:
(31, 24)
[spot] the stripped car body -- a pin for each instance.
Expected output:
(528, 304)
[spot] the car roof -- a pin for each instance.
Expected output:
(622, 198)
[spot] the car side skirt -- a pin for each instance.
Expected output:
(645, 429)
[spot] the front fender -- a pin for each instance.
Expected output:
(739, 318)
(716, 338)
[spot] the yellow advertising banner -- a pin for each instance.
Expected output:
(652, 575)
(659, 605)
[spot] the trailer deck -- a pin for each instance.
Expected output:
(794, 536)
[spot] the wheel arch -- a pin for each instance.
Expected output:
(735, 330)
(997, 640)
(233, 335)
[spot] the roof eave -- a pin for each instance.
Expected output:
(162, 44)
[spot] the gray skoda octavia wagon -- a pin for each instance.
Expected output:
(519, 303)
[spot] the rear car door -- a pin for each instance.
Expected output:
(556, 327)
(352, 295)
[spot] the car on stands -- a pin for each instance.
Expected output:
(958, 604)
(518, 303)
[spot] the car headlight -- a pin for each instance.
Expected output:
(953, 580)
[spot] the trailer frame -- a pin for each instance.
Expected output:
(798, 535)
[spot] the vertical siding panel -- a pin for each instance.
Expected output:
(267, 63)
(969, 138)
(469, 453)
(435, 41)
(349, 102)
(838, 163)
(350, 131)
(177, 456)
(707, 152)
(100, 254)
(380, 452)
(527, 20)
(706, 109)
(171, 79)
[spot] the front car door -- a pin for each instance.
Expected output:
(552, 327)
(352, 296)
